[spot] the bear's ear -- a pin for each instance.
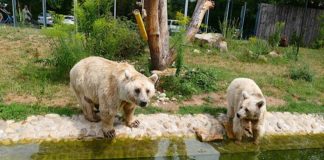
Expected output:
(260, 104)
(245, 95)
(154, 78)
(127, 74)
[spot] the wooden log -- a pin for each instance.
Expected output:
(158, 34)
(201, 7)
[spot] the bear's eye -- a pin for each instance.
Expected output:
(147, 91)
(137, 90)
(246, 110)
(241, 107)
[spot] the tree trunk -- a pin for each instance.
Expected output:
(158, 34)
(201, 7)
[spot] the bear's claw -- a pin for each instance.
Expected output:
(134, 124)
(110, 134)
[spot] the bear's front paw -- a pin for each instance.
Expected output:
(134, 124)
(109, 134)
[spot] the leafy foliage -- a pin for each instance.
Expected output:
(178, 42)
(228, 29)
(105, 35)
(256, 48)
(274, 39)
(194, 81)
(302, 73)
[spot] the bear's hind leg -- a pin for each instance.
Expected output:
(88, 110)
(129, 110)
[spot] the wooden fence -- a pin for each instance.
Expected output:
(293, 17)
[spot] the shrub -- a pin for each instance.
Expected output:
(301, 72)
(228, 29)
(274, 39)
(192, 82)
(258, 47)
(178, 42)
(291, 53)
(68, 49)
(114, 38)
(66, 55)
(319, 42)
(106, 36)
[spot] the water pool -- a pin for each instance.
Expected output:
(271, 147)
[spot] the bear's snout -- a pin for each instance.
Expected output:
(143, 103)
(238, 115)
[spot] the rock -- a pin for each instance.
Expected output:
(9, 122)
(196, 51)
(83, 132)
(52, 115)
(222, 46)
(91, 134)
(162, 95)
(166, 72)
(206, 136)
(263, 58)
(3, 125)
(173, 99)
(210, 38)
(9, 130)
(31, 118)
(273, 54)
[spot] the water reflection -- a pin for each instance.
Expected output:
(278, 147)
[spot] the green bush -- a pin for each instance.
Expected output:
(228, 29)
(301, 73)
(68, 48)
(274, 39)
(291, 53)
(192, 82)
(319, 42)
(66, 55)
(115, 38)
(178, 42)
(256, 48)
(106, 36)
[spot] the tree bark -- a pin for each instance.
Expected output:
(201, 7)
(158, 34)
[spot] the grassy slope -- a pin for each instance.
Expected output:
(19, 47)
(271, 76)
(18, 76)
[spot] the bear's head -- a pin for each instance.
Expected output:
(251, 106)
(137, 88)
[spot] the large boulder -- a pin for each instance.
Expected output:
(213, 40)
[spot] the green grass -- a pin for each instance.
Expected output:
(201, 109)
(21, 111)
(149, 110)
(303, 107)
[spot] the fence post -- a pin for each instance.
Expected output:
(206, 20)
(226, 11)
(256, 26)
(14, 13)
(115, 8)
(242, 18)
(186, 9)
(44, 13)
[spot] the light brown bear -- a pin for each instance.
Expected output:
(109, 86)
(246, 107)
